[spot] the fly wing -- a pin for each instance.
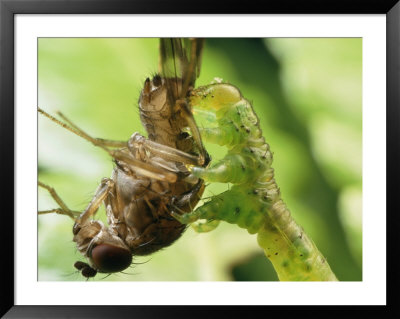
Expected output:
(180, 61)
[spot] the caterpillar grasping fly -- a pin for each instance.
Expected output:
(165, 174)
(254, 202)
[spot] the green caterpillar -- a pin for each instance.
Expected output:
(254, 202)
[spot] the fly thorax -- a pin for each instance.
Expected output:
(128, 187)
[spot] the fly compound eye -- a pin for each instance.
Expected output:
(109, 258)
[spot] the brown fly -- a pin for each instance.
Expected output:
(150, 178)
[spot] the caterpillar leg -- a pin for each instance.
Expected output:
(228, 206)
(208, 211)
(205, 226)
(231, 169)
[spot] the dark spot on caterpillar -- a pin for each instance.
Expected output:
(308, 268)
(285, 263)
(237, 210)
(255, 191)
(276, 253)
(301, 235)
(323, 260)
(276, 239)
(236, 128)
(301, 255)
(268, 256)
(247, 130)
(212, 96)
(271, 228)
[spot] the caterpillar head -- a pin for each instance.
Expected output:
(215, 97)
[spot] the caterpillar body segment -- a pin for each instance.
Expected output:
(228, 206)
(254, 202)
(205, 226)
(292, 253)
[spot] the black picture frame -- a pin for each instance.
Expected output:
(8, 9)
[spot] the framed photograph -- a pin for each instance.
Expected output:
(276, 136)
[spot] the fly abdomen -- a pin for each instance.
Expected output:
(163, 122)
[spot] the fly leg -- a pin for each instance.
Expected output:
(165, 163)
(141, 167)
(63, 210)
(168, 153)
(102, 192)
(85, 228)
(81, 218)
(103, 143)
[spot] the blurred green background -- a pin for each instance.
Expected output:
(307, 95)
